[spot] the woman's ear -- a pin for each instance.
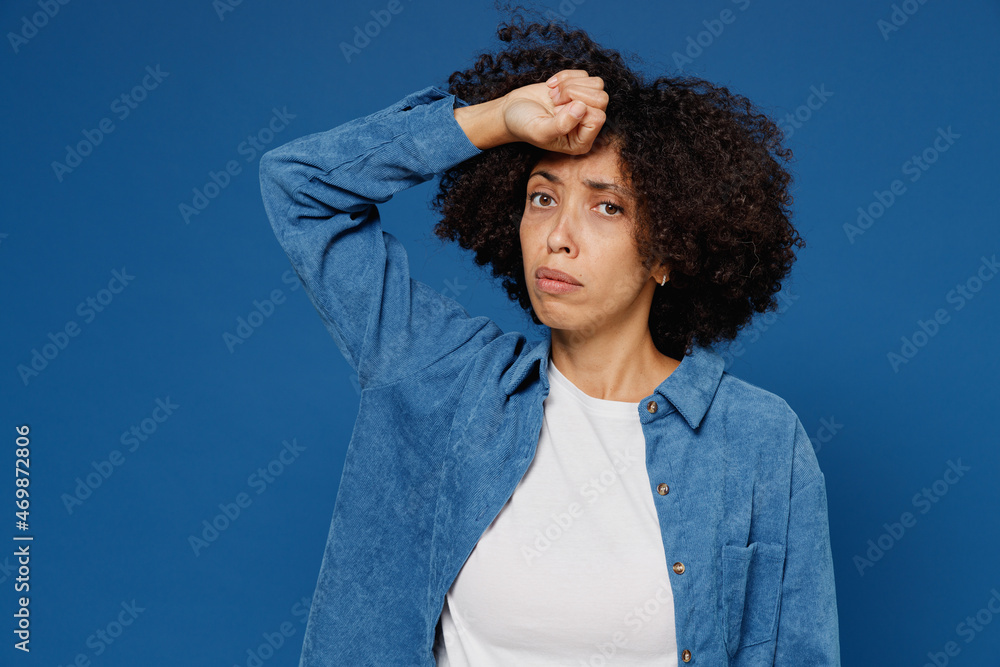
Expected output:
(661, 273)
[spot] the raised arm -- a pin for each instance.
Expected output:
(320, 193)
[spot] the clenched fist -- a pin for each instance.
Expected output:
(562, 115)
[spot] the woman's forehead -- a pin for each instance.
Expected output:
(597, 169)
(602, 160)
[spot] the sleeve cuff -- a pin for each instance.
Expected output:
(440, 141)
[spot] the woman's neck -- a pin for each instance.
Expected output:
(613, 369)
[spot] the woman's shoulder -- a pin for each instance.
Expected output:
(763, 419)
(739, 394)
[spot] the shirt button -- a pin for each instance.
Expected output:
(686, 655)
(679, 568)
(651, 406)
(662, 489)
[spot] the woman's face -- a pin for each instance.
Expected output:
(578, 219)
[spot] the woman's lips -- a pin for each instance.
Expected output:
(555, 274)
(555, 286)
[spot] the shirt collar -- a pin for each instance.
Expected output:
(690, 389)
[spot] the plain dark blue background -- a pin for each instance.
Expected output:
(850, 302)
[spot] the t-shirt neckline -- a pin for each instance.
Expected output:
(600, 405)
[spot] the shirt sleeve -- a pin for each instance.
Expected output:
(808, 627)
(320, 193)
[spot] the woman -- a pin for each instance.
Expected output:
(607, 495)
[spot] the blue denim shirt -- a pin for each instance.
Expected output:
(450, 414)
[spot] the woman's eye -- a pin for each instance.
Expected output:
(532, 196)
(613, 210)
(618, 210)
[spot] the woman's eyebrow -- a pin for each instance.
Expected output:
(594, 185)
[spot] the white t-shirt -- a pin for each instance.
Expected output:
(572, 570)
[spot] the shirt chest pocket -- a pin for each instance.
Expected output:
(751, 591)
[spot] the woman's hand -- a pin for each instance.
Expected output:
(562, 115)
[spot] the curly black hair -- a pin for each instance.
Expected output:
(713, 196)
